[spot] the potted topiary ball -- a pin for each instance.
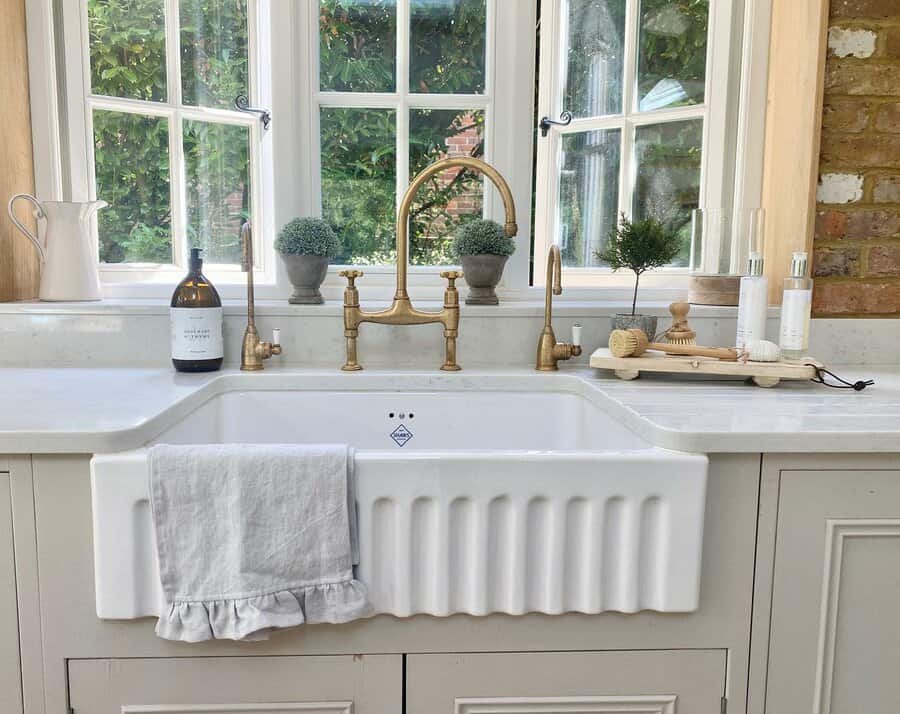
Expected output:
(483, 249)
(639, 246)
(307, 245)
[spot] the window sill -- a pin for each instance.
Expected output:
(334, 308)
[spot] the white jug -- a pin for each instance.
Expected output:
(69, 251)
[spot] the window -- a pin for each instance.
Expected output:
(364, 94)
(178, 164)
(647, 95)
(400, 85)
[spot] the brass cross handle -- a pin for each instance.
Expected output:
(351, 276)
(452, 276)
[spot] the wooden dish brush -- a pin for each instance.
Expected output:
(680, 333)
(633, 343)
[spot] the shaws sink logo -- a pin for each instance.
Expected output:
(401, 435)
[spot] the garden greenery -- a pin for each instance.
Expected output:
(307, 236)
(482, 237)
(357, 53)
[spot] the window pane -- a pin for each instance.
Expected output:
(357, 45)
(447, 46)
(131, 163)
(595, 57)
(667, 184)
(213, 51)
(588, 194)
(359, 181)
(452, 197)
(128, 48)
(672, 61)
(217, 172)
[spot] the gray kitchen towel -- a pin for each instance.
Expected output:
(251, 538)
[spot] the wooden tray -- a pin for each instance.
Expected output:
(763, 374)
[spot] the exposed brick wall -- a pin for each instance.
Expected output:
(857, 242)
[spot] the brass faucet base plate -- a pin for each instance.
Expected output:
(450, 368)
(351, 368)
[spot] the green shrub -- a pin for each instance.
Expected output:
(307, 236)
(480, 237)
(640, 246)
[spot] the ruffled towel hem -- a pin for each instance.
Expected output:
(252, 618)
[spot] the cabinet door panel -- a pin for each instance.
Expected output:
(238, 685)
(650, 682)
(10, 676)
(835, 636)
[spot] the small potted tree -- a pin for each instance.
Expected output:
(483, 249)
(307, 246)
(639, 246)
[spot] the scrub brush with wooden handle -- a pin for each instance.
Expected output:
(680, 333)
(633, 343)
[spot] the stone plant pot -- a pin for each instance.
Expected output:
(626, 321)
(483, 273)
(307, 272)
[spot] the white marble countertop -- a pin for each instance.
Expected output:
(76, 410)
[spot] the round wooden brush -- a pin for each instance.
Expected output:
(633, 343)
(680, 333)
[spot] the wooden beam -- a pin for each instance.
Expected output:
(19, 265)
(793, 128)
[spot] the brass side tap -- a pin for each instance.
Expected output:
(253, 350)
(401, 311)
(549, 351)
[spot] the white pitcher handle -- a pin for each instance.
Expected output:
(38, 213)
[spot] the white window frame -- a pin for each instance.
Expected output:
(718, 112)
(148, 279)
(286, 186)
(506, 101)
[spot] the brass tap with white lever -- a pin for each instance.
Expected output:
(253, 350)
(549, 351)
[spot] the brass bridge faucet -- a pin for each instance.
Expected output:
(253, 350)
(401, 311)
(549, 351)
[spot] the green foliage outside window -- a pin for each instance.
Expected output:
(357, 53)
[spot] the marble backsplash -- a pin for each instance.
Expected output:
(136, 333)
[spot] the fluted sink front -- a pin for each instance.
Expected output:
(474, 497)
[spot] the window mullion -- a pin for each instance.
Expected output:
(177, 180)
(402, 118)
(629, 84)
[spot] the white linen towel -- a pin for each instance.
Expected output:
(254, 537)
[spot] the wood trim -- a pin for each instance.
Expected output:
(793, 128)
(19, 267)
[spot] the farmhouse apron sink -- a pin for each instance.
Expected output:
(473, 497)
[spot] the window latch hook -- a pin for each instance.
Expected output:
(242, 104)
(546, 122)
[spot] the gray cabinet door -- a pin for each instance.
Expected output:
(10, 674)
(238, 685)
(650, 682)
(835, 634)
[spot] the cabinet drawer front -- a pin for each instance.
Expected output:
(648, 682)
(238, 685)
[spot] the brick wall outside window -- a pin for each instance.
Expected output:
(856, 260)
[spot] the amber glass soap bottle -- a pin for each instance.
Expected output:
(196, 314)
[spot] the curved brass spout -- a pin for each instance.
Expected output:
(549, 351)
(466, 162)
(401, 311)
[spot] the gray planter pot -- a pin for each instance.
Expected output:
(483, 273)
(626, 321)
(306, 273)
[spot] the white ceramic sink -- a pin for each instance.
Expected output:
(474, 497)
